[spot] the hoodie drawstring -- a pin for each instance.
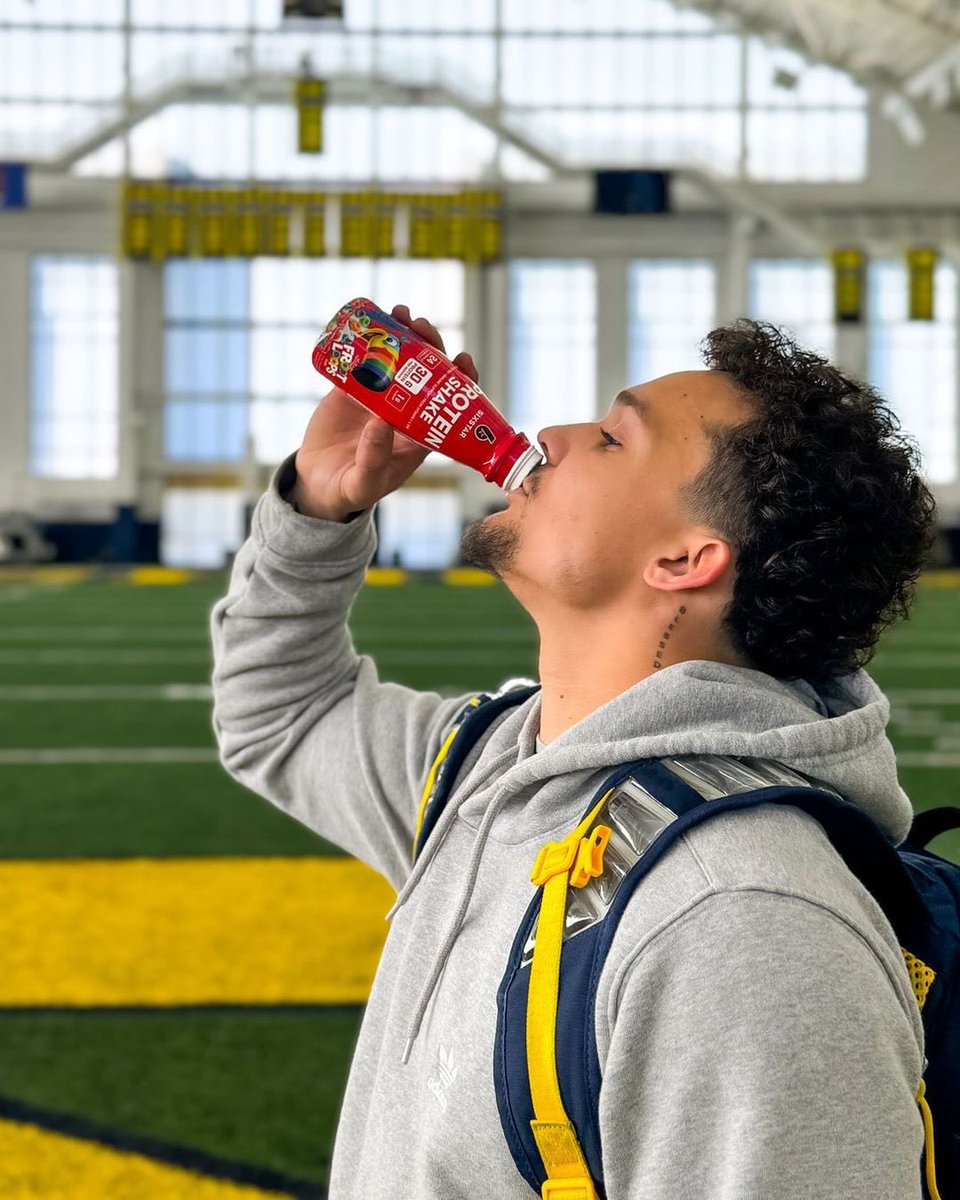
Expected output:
(435, 841)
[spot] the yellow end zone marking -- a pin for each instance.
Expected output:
(35, 1163)
(940, 579)
(385, 576)
(190, 931)
(158, 576)
(468, 577)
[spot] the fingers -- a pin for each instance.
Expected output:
(428, 332)
(420, 326)
(466, 364)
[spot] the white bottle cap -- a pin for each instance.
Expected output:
(528, 460)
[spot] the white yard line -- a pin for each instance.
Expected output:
(400, 635)
(918, 638)
(106, 754)
(104, 633)
(107, 655)
(920, 758)
(15, 694)
(931, 727)
(12, 594)
(101, 656)
(907, 658)
(924, 696)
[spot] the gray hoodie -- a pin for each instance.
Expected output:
(756, 1028)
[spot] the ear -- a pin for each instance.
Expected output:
(705, 560)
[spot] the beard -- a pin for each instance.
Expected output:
(492, 548)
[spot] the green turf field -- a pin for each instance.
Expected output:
(106, 751)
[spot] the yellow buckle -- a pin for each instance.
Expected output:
(555, 858)
(589, 862)
(569, 1189)
(583, 859)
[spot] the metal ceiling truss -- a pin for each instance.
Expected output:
(909, 49)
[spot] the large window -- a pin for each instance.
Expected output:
(672, 304)
(207, 369)
(796, 293)
(291, 302)
(914, 363)
(239, 337)
(74, 422)
(552, 343)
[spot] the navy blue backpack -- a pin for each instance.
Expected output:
(546, 1070)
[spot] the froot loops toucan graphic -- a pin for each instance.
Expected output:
(379, 364)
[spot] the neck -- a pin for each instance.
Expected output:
(587, 659)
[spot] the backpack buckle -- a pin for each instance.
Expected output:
(589, 864)
(555, 858)
(581, 858)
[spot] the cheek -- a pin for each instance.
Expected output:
(573, 534)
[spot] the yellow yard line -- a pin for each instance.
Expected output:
(385, 577)
(190, 931)
(468, 577)
(158, 576)
(940, 579)
(35, 1163)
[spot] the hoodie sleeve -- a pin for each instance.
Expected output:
(302, 719)
(759, 1048)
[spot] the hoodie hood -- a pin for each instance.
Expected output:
(835, 733)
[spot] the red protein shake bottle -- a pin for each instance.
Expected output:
(413, 387)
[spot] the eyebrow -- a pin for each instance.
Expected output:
(637, 403)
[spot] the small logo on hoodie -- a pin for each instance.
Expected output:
(443, 1077)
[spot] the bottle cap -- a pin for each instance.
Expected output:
(528, 460)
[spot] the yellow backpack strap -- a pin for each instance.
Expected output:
(474, 720)
(431, 784)
(929, 1156)
(570, 863)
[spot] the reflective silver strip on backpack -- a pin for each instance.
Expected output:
(635, 818)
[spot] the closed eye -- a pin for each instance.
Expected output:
(609, 438)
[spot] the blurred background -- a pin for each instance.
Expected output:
(575, 192)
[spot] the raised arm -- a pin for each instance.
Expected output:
(300, 717)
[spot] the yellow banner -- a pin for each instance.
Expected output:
(848, 286)
(162, 220)
(366, 225)
(276, 241)
(315, 225)
(309, 95)
(921, 264)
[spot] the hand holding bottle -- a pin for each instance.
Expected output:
(408, 382)
(349, 458)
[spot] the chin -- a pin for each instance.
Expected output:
(490, 545)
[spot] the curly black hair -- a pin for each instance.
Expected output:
(822, 501)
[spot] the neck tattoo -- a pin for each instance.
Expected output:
(661, 646)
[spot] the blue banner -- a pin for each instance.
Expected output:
(13, 185)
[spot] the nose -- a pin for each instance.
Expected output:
(556, 441)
